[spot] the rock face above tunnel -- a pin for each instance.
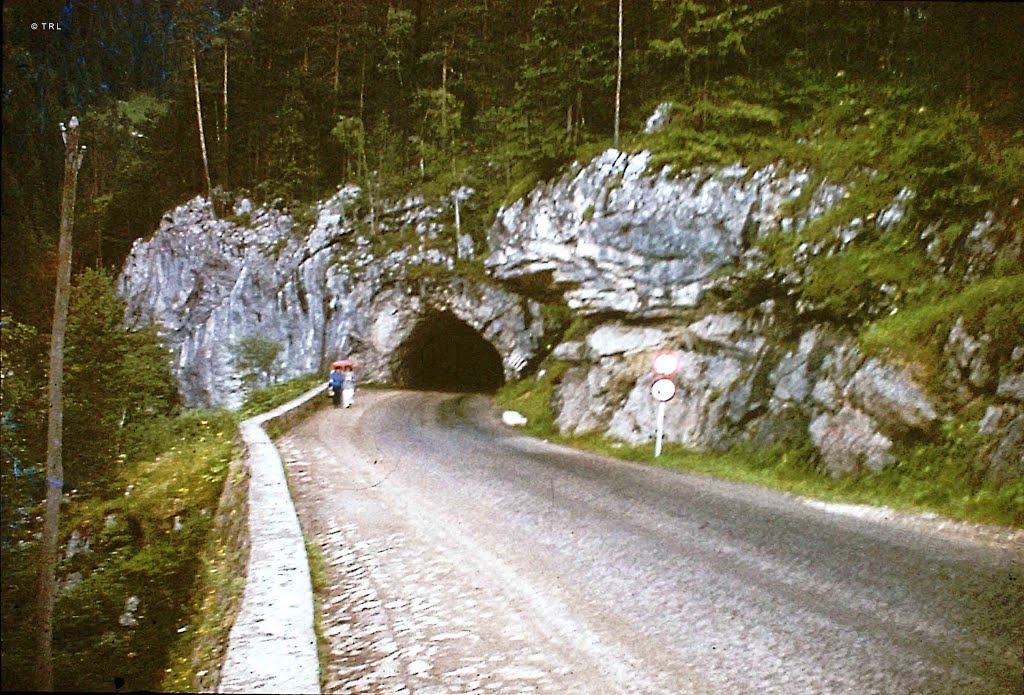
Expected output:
(319, 292)
(616, 237)
(654, 259)
(651, 258)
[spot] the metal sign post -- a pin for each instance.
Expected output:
(660, 429)
(662, 390)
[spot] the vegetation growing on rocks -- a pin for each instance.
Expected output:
(876, 98)
(938, 478)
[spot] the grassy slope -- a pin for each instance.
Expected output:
(176, 541)
(876, 139)
(932, 479)
(147, 543)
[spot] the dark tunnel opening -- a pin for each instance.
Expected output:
(444, 353)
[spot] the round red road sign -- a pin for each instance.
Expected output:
(666, 363)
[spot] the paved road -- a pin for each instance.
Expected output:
(464, 557)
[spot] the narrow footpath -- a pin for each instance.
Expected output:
(272, 645)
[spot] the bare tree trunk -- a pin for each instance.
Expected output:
(226, 151)
(369, 188)
(568, 125)
(618, 83)
(199, 120)
(458, 213)
(337, 56)
(450, 141)
(216, 127)
(362, 84)
(577, 133)
(55, 426)
(444, 94)
(98, 228)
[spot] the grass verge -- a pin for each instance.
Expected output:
(268, 398)
(935, 477)
(198, 655)
(318, 579)
(130, 559)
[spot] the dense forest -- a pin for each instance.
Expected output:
(297, 96)
(283, 101)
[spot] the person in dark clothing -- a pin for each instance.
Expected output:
(335, 384)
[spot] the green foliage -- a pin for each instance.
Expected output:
(558, 321)
(471, 269)
(392, 175)
(916, 334)
(943, 157)
(847, 284)
(503, 131)
(940, 478)
(532, 398)
(714, 130)
(153, 389)
(351, 136)
(196, 655)
(706, 33)
(125, 165)
(113, 377)
(147, 527)
(521, 188)
(147, 439)
(441, 122)
(294, 165)
(22, 421)
(269, 397)
(567, 68)
(319, 578)
(256, 358)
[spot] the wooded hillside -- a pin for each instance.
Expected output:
(299, 95)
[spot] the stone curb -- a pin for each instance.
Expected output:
(272, 645)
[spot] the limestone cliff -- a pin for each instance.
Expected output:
(647, 259)
(667, 260)
(319, 291)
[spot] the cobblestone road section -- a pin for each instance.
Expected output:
(272, 645)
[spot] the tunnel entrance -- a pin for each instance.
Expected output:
(444, 353)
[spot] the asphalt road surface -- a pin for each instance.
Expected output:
(464, 557)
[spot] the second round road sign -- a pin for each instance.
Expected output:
(666, 364)
(663, 390)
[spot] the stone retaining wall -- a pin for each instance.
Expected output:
(272, 645)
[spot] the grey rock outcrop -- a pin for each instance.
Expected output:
(850, 442)
(615, 237)
(320, 292)
(889, 395)
(651, 258)
(737, 381)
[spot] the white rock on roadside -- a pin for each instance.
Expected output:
(513, 419)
